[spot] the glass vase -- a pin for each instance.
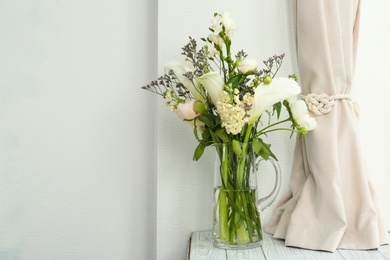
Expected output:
(237, 222)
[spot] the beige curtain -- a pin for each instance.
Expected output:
(331, 203)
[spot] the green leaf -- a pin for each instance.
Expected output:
(278, 108)
(236, 80)
(198, 151)
(214, 137)
(265, 153)
(206, 135)
(206, 119)
(221, 133)
(196, 131)
(236, 147)
(257, 145)
(262, 149)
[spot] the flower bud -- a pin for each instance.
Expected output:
(217, 40)
(186, 111)
(302, 131)
(247, 66)
(199, 107)
(267, 80)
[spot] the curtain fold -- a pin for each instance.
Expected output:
(331, 202)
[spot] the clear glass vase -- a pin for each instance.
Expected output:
(237, 223)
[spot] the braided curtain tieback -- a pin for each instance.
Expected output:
(321, 104)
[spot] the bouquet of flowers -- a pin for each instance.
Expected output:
(229, 100)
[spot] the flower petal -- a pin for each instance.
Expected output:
(179, 68)
(213, 83)
(247, 65)
(301, 115)
(186, 111)
(267, 95)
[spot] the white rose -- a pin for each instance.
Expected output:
(186, 111)
(301, 115)
(247, 65)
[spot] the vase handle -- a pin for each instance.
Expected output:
(265, 202)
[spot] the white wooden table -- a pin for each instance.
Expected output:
(201, 248)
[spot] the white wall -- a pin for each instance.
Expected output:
(76, 131)
(372, 91)
(184, 192)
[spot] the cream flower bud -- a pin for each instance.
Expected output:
(186, 111)
(247, 65)
(217, 40)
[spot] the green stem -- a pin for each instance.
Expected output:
(272, 125)
(278, 129)
(241, 168)
(223, 212)
(242, 231)
(255, 213)
(223, 216)
(242, 234)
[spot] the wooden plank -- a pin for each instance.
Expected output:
(247, 254)
(385, 250)
(276, 249)
(201, 247)
(362, 255)
(321, 255)
(316, 255)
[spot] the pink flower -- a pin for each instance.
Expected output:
(186, 111)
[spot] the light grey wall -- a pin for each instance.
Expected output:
(77, 133)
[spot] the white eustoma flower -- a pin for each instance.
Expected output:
(213, 83)
(216, 24)
(211, 49)
(179, 68)
(229, 24)
(186, 111)
(267, 95)
(247, 65)
(301, 115)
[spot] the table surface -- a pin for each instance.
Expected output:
(201, 248)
